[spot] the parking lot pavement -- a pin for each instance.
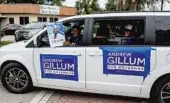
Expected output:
(6, 97)
(76, 97)
(40, 95)
(8, 38)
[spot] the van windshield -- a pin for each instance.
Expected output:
(34, 26)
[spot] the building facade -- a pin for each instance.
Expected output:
(26, 13)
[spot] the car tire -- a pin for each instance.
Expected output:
(16, 79)
(160, 91)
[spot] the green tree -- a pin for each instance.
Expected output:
(58, 2)
(87, 6)
(110, 5)
(21, 1)
(40, 1)
(3, 1)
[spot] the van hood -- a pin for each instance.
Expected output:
(16, 45)
(27, 30)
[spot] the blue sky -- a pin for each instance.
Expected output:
(71, 3)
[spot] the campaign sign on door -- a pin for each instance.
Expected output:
(59, 67)
(56, 34)
(126, 60)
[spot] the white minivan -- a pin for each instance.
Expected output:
(121, 53)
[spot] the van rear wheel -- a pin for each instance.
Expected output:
(161, 91)
(16, 79)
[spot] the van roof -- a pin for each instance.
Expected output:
(123, 14)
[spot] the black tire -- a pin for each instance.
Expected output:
(156, 94)
(10, 81)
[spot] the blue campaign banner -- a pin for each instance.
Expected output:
(59, 67)
(126, 60)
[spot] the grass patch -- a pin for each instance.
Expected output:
(2, 43)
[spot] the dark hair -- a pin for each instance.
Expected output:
(103, 31)
(127, 30)
(77, 27)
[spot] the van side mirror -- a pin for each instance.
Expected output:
(44, 26)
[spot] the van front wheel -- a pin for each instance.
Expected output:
(161, 91)
(15, 78)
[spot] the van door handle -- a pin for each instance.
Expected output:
(76, 54)
(95, 54)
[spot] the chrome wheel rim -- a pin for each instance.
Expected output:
(165, 93)
(16, 79)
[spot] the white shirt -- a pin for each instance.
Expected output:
(60, 39)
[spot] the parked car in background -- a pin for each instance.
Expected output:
(10, 29)
(29, 30)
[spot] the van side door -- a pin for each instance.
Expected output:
(117, 60)
(61, 67)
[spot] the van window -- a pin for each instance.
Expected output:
(118, 32)
(162, 30)
(43, 40)
(68, 30)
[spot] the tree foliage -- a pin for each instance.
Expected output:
(57, 2)
(53, 2)
(129, 5)
(110, 5)
(87, 6)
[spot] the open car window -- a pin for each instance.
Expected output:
(118, 32)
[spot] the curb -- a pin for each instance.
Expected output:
(43, 96)
(39, 96)
(47, 97)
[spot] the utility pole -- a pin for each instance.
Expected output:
(162, 4)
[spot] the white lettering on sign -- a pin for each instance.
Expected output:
(125, 59)
(125, 68)
(59, 66)
(47, 71)
(46, 9)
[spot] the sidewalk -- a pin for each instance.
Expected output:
(76, 97)
(8, 38)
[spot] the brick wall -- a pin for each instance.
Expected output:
(20, 8)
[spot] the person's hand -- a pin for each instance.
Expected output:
(67, 43)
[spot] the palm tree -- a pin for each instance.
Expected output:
(131, 5)
(87, 6)
(134, 5)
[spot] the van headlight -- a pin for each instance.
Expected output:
(16, 32)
